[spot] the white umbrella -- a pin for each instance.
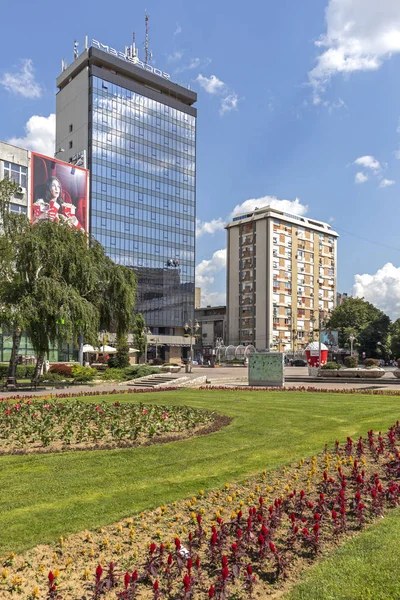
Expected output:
(133, 350)
(107, 349)
(88, 349)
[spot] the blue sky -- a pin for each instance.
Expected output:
(290, 95)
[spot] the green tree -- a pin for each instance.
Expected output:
(367, 323)
(395, 339)
(139, 334)
(122, 355)
(61, 284)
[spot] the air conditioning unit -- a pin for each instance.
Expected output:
(21, 190)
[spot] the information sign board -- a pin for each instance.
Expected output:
(266, 369)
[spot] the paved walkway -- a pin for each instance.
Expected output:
(232, 376)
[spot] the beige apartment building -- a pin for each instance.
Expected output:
(281, 279)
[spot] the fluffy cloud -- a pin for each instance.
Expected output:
(293, 207)
(203, 227)
(360, 35)
(368, 162)
(205, 277)
(213, 85)
(40, 135)
(360, 177)
(386, 183)
(22, 82)
(290, 206)
(381, 289)
(178, 29)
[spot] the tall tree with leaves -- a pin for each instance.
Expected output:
(367, 323)
(139, 334)
(64, 285)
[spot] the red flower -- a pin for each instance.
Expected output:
(272, 547)
(186, 582)
(134, 575)
(164, 415)
(144, 411)
(197, 561)
(99, 571)
(155, 586)
(224, 573)
(127, 579)
(169, 560)
(249, 570)
(211, 591)
(153, 548)
(177, 544)
(198, 518)
(51, 577)
(224, 561)
(189, 565)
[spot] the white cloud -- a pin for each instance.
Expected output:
(228, 103)
(22, 82)
(194, 63)
(40, 135)
(360, 177)
(205, 277)
(360, 35)
(381, 289)
(293, 207)
(203, 227)
(212, 85)
(368, 162)
(289, 206)
(178, 29)
(175, 56)
(386, 183)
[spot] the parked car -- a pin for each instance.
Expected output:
(298, 363)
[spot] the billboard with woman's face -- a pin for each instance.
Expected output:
(59, 192)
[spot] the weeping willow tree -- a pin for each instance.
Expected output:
(61, 285)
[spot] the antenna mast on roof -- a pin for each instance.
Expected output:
(146, 41)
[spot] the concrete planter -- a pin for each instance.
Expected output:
(329, 373)
(174, 369)
(361, 373)
(396, 373)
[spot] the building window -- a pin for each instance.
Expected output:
(17, 208)
(15, 173)
(71, 128)
(70, 144)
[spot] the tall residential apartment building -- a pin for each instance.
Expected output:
(281, 278)
(137, 131)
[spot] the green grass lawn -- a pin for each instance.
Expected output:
(45, 496)
(366, 568)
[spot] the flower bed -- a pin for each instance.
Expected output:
(35, 426)
(244, 539)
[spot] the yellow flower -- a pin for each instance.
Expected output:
(241, 503)
(16, 581)
(194, 500)
(131, 534)
(104, 544)
(119, 528)
(257, 488)
(184, 528)
(229, 499)
(129, 522)
(55, 556)
(41, 569)
(88, 537)
(203, 511)
(69, 561)
(4, 574)
(144, 526)
(141, 515)
(35, 592)
(91, 553)
(56, 573)
(233, 515)
(86, 574)
(61, 540)
(217, 514)
(118, 548)
(201, 492)
(227, 486)
(158, 533)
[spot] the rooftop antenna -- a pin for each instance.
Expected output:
(134, 51)
(76, 44)
(148, 55)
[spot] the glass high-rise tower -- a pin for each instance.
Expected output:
(137, 132)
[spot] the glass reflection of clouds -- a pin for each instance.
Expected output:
(143, 196)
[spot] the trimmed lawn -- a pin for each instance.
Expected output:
(45, 496)
(366, 568)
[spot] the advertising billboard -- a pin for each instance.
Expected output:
(59, 192)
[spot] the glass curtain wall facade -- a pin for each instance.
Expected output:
(143, 197)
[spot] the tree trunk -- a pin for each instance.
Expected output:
(39, 366)
(12, 367)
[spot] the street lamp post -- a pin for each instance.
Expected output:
(352, 339)
(192, 326)
(146, 332)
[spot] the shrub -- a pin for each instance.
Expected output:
(65, 370)
(157, 361)
(351, 362)
(51, 377)
(135, 371)
(3, 370)
(113, 374)
(25, 371)
(371, 362)
(331, 366)
(83, 374)
(112, 362)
